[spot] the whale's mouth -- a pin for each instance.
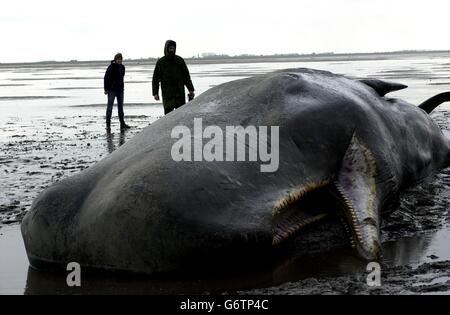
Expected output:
(299, 209)
(303, 208)
(351, 195)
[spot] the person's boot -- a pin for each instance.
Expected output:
(123, 125)
(108, 125)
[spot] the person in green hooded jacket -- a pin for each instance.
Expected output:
(172, 72)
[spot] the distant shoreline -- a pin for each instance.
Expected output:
(327, 57)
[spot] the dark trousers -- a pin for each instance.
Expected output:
(111, 96)
(171, 103)
(168, 110)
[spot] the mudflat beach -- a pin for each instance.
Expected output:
(52, 126)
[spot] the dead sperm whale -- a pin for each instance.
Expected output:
(343, 148)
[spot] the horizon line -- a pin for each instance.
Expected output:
(213, 56)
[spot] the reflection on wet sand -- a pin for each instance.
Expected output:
(405, 251)
(337, 263)
(111, 146)
(415, 250)
(39, 282)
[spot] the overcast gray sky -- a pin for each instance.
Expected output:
(91, 29)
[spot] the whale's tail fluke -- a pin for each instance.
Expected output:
(430, 104)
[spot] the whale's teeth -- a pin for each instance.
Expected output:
(294, 223)
(290, 226)
(296, 194)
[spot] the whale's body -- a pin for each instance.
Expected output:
(344, 149)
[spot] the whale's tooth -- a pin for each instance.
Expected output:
(276, 240)
(283, 226)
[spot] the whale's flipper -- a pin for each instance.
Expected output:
(435, 101)
(383, 87)
(357, 190)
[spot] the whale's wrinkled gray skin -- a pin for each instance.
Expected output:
(344, 150)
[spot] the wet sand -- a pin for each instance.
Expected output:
(23, 98)
(43, 151)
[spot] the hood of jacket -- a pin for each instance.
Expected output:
(166, 47)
